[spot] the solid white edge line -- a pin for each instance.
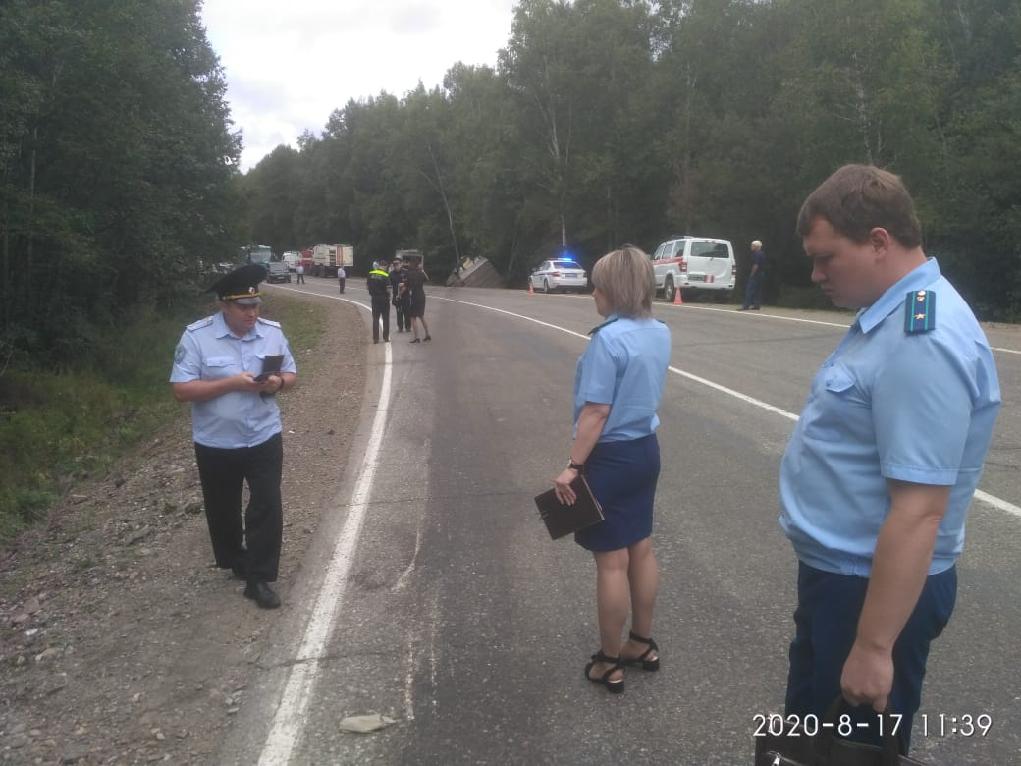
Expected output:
(997, 503)
(760, 314)
(985, 497)
(289, 718)
(751, 314)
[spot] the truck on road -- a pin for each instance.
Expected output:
(291, 258)
(326, 258)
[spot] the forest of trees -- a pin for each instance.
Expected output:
(621, 120)
(117, 166)
(603, 121)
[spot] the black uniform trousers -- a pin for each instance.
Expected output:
(380, 310)
(401, 305)
(222, 472)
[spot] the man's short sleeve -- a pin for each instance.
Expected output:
(921, 406)
(599, 372)
(288, 365)
(187, 361)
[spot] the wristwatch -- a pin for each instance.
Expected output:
(575, 466)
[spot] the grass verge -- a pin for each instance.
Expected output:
(57, 428)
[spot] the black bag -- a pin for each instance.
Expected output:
(826, 748)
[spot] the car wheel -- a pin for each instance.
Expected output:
(668, 290)
(545, 286)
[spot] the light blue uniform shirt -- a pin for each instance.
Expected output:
(208, 351)
(624, 365)
(890, 405)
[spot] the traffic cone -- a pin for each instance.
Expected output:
(677, 297)
(530, 290)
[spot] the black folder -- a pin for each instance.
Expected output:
(563, 519)
(270, 366)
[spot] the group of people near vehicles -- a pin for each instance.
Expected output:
(402, 284)
(874, 484)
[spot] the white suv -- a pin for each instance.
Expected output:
(694, 263)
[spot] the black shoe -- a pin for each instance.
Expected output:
(642, 660)
(416, 340)
(743, 308)
(428, 337)
(614, 687)
(375, 340)
(262, 594)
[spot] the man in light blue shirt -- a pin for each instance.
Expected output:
(220, 367)
(878, 475)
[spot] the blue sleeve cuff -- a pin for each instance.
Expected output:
(944, 477)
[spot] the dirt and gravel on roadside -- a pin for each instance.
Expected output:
(120, 642)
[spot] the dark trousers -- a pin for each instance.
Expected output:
(300, 279)
(381, 310)
(403, 323)
(343, 282)
(826, 621)
(222, 472)
(753, 290)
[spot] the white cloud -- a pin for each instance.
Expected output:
(290, 64)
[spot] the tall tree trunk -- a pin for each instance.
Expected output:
(446, 204)
(30, 223)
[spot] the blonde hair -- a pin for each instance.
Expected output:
(626, 278)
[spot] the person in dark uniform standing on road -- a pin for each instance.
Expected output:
(414, 289)
(878, 475)
(236, 427)
(753, 290)
(378, 284)
(397, 274)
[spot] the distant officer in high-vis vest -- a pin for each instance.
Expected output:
(218, 367)
(378, 284)
(878, 475)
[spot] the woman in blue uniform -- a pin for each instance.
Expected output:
(617, 389)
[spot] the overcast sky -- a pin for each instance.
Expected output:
(290, 64)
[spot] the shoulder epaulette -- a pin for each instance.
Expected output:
(270, 322)
(920, 312)
(200, 324)
(594, 330)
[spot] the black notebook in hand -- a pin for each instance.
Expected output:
(563, 519)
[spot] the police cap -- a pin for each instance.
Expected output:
(241, 286)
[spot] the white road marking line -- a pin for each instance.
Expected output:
(985, 497)
(736, 394)
(797, 319)
(759, 314)
(689, 307)
(997, 503)
(290, 714)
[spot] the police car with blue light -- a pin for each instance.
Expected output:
(561, 274)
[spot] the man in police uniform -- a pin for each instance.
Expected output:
(236, 427)
(877, 477)
(378, 284)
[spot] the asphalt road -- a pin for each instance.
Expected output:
(447, 607)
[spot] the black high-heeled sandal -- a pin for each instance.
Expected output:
(650, 665)
(614, 687)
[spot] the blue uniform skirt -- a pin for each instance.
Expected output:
(623, 478)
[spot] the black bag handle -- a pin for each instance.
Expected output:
(824, 743)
